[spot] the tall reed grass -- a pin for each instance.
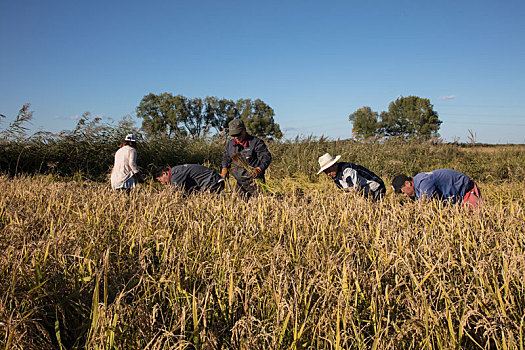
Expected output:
(85, 267)
(90, 156)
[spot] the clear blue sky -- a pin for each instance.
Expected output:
(313, 62)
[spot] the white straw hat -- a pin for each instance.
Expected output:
(326, 161)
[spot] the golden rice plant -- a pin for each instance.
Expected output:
(82, 266)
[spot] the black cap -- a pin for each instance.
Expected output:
(399, 181)
(235, 127)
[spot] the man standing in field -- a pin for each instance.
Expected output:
(352, 177)
(443, 184)
(191, 177)
(250, 158)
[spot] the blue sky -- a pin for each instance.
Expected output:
(313, 62)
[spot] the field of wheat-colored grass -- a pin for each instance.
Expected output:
(85, 267)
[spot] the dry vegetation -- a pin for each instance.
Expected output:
(82, 266)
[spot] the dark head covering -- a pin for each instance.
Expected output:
(235, 127)
(399, 181)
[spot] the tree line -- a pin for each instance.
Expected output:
(174, 116)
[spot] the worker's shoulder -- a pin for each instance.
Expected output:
(424, 176)
(256, 141)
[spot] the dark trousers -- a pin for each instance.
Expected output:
(217, 188)
(246, 186)
(378, 194)
(375, 195)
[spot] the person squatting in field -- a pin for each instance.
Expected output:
(352, 177)
(191, 177)
(126, 174)
(443, 184)
(250, 158)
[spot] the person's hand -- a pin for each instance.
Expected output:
(224, 173)
(255, 172)
(350, 189)
(140, 179)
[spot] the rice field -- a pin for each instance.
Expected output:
(82, 266)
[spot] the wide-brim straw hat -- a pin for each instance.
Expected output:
(326, 161)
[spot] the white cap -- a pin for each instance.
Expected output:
(130, 137)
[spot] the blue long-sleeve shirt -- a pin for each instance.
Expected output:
(441, 184)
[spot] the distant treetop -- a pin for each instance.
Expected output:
(406, 116)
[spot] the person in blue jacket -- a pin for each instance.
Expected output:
(442, 184)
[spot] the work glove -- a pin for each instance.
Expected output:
(224, 173)
(255, 172)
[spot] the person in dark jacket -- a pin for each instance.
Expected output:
(352, 177)
(249, 156)
(442, 184)
(191, 177)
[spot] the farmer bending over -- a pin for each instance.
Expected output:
(352, 177)
(250, 158)
(443, 184)
(191, 177)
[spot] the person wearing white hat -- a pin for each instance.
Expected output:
(125, 173)
(350, 176)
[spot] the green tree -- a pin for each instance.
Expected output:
(365, 122)
(171, 116)
(223, 110)
(195, 115)
(160, 115)
(258, 118)
(410, 115)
